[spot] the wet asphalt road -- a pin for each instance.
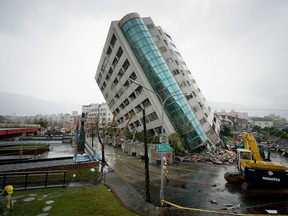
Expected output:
(193, 185)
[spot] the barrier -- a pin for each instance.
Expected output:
(31, 180)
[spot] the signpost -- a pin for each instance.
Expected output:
(164, 147)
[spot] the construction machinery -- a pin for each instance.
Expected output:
(256, 175)
(118, 141)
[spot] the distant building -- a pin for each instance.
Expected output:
(136, 49)
(97, 111)
(262, 122)
(235, 123)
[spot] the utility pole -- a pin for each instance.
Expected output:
(103, 162)
(147, 181)
(80, 145)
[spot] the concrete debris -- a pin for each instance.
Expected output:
(228, 205)
(272, 211)
(213, 202)
(222, 155)
(225, 153)
(231, 207)
(234, 207)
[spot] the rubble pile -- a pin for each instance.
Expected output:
(223, 154)
(280, 145)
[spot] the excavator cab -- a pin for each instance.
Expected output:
(243, 157)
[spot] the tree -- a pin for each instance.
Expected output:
(176, 142)
(2, 119)
(226, 131)
(150, 137)
(43, 122)
(256, 128)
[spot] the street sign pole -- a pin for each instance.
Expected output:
(163, 147)
(162, 174)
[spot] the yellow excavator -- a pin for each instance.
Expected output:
(256, 175)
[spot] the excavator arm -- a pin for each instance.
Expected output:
(250, 144)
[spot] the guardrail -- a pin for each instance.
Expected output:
(33, 180)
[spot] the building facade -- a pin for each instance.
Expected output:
(263, 123)
(141, 68)
(97, 111)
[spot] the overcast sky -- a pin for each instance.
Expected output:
(237, 50)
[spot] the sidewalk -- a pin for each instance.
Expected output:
(129, 197)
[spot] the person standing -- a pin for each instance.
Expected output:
(6, 199)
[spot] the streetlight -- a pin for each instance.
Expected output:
(162, 140)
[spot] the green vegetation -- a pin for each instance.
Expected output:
(176, 142)
(42, 122)
(72, 201)
(81, 175)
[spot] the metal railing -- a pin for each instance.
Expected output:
(35, 179)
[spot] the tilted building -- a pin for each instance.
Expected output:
(141, 68)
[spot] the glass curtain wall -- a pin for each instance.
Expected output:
(163, 82)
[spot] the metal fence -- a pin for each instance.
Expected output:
(31, 180)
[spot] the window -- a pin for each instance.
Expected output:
(175, 72)
(133, 76)
(115, 61)
(119, 53)
(110, 71)
(146, 103)
(153, 116)
(150, 26)
(138, 108)
(163, 49)
(156, 38)
(104, 64)
(126, 102)
(107, 77)
(137, 123)
(138, 90)
(120, 73)
(115, 82)
(126, 64)
(189, 96)
(203, 120)
(113, 40)
(175, 47)
(169, 60)
(132, 96)
(168, 36)
(109, 51)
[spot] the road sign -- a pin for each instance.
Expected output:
(163, 139)
(162, 147)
